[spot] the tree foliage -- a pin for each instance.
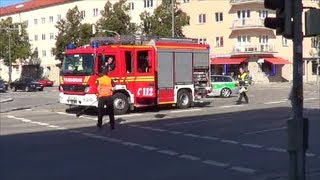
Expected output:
(71, 30)
(116, 18)
(160, 23)
(20, 47)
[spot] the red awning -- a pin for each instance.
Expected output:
(227, 60)
(277, 60)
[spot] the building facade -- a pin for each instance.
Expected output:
(235, 31)
(42, 16)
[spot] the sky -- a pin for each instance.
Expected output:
(10, 2)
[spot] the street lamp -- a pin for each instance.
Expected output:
(172, 17)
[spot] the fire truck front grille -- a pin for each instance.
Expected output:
(74, 88)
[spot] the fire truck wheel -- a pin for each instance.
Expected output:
(183, 99)
(120, 103)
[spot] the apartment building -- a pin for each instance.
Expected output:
(235, 31)
(41, 17)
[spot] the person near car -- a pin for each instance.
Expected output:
(105, 88)
(243, 83)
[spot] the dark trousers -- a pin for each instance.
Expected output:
(106, 101)
(243, 95)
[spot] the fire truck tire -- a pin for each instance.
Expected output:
(183, 99)
(120, 103)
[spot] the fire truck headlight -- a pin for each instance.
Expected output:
(87, 89)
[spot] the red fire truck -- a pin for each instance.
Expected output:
(147, 72)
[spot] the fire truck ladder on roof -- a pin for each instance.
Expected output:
(125, 40)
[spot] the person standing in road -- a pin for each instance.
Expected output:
(243, 86)
(105, 87)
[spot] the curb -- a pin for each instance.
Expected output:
(6, 100)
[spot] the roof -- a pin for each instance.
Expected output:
(30, 5)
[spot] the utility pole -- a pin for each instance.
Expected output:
(298, 127)
(172, 17)
(288, 23)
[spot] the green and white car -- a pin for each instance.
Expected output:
(223, 86)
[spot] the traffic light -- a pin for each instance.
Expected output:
(282, 22)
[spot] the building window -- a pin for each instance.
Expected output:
(284, 42)
(131, 6)
(202, 18)
(263, 14)
(95, 12)
(44, 53)
(43, 37)
(314, 43)
(269, 69)
(148, 3)
(26, 23)
(202, 41)
(186, 1)
(83, 14)
(244, 14)
(35, 37)
(50, 19)
(51, 53)
(314, 67)
(43, 20)
(51, 36)
(244, 39)
(219, 41)
(58, 17)
(219, 17)
(35, 21)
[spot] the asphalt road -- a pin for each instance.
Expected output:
(211, 141)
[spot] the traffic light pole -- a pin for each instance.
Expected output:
(298, 131)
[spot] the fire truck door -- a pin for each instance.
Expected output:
(145, 81)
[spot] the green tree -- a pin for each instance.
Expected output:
(160, 23)
(14, 43)
(71, 30)
(116, 18)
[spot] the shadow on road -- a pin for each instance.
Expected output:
(90, 153)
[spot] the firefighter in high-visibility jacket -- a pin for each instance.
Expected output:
(243, 83)
(105, 88)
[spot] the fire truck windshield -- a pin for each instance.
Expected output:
(78, 64)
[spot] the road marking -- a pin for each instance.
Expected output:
(243, 170)
(230, 106)
(252, 145)
(130, 144)
(215, 163)
(310, 99)
(150, 148)
(189, 110)
(191, 135)
(168, 152)
(276, 149)
(310, 155)
(275, 102)
(210, 138)
(191, 122)
(267, 130)
(175, 132)
(229, 141)
(189, 157)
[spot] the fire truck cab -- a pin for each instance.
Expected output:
(147, 72)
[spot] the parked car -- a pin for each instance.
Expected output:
(223, 86)
(45, 82)
(3, 85)
(26, 84)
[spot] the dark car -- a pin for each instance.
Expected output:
(3, 85)
(26, 84)
(45, 82)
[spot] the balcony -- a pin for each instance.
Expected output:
(248, 24)
(235, 2)
(254, 49)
